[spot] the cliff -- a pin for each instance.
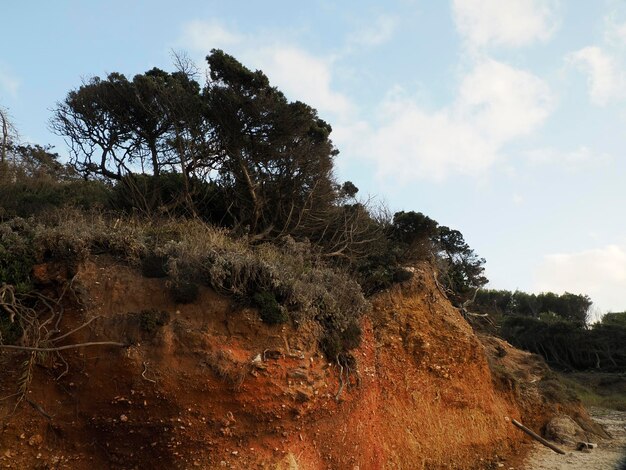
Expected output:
(208, 385)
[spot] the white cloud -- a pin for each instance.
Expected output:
(375, 34)
(9, 83)
(580, 157)
(599, 273)
(503, 101)
(504, 23)
(606, 80)
(615, 30)
(300, 75)
(496, 104)
(206, 35)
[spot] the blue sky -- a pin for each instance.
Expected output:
(502, 118)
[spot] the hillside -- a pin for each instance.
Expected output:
(208, 385)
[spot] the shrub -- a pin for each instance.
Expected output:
(17, 255)
(271, 311)
(291, 276)
(151, 320)
(37, 196)
(336, 343)
(153, 266)
(184, 292)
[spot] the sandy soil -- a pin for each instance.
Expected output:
(608, 455)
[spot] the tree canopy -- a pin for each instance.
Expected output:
(271, 159)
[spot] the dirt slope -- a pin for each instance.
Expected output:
(207, 385)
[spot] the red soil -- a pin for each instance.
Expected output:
(217, 388)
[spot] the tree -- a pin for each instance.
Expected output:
(8, 135)
(39, 162)
(271, 159)
(614, 319)
(277, 156)
(8, 140)
(413, 232)
(463, 270)
(117, 128)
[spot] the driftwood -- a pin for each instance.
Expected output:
(538, 437)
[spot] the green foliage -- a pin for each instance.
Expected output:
(277, 170)
(463, 270)
(33, 197)
(566, 345)
(17, 253)
(271, 311)
(414, 233)
(547, 305)
(335, 343)
(271, 159)
(605, 390)
(617, 319)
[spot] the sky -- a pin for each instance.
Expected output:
(503, 119)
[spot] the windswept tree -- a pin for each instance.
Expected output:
(117, 128)
(277, 155)
(271, 159)
(463, 270)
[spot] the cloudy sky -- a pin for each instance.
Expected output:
(502, 118)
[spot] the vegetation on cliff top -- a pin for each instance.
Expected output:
(229, 184)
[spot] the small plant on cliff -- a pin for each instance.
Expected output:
(151, 320)
(184, 291)
(271, 311)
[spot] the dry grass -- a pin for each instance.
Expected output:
(605, 390)
(198, 253)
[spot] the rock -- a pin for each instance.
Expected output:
(297, 374)
(303, 396)
(123, 418)
(585, 446)
(35, 440)
(565, 430)
(273, 354)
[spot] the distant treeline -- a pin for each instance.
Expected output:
(558, 328)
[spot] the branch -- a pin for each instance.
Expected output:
(61, 348)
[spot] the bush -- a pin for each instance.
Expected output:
(153, 266)
(184, 292)
(337, 343)
(17, 254)
(289, 275)
(271, 311)
(37, 196)
(151, 320)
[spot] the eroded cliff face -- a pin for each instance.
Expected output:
(207, 385)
